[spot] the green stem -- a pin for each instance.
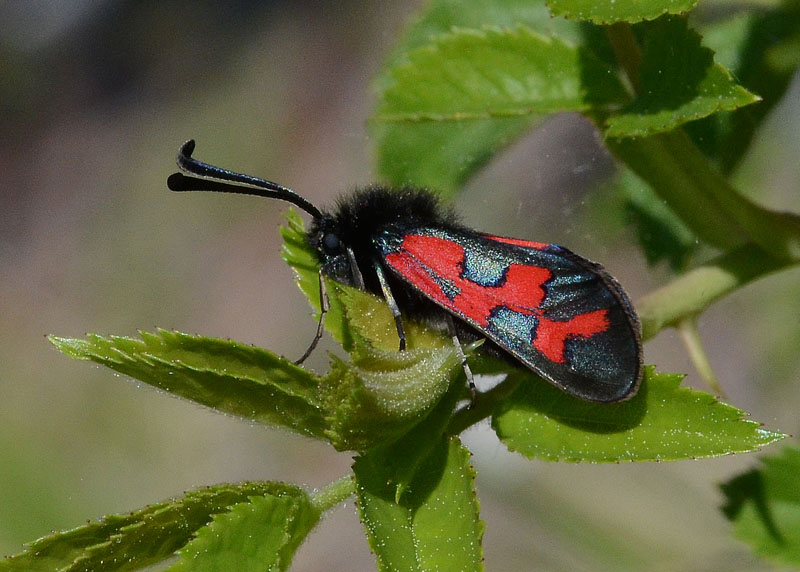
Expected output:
(694, 345)
(334, 493)
(694, 291)
(778, 233)
(656, 160)
(484, 406)
(715, 211)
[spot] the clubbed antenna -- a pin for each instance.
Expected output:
(204, 177)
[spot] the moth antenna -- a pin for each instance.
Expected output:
(201, 176)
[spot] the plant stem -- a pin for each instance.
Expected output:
(704, 199)
(656, 159)
(334, 493)
(691, 293)
(484, 406)
(694, 345)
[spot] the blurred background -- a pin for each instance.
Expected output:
(97, 96)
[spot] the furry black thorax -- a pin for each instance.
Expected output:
(359, 217)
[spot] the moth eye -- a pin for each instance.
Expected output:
(330, 243)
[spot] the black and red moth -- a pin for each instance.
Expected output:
(558, 313)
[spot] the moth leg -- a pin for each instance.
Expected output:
(324, 306)
(451, 329)
(387, 294)
(358, 279)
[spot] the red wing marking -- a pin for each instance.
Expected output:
(434, 265)
(518, 242)
(423, 257)
(551, 336)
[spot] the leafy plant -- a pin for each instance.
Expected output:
(764, 505)
(466, 79)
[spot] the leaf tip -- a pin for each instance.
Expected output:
(70, 347)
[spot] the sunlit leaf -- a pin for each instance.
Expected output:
(435, 525)
(228, 376)
(134, 540)
(261, 534)
(610, 11)
(382, 395)
(679, 82)
(455, 102)
(662, 422)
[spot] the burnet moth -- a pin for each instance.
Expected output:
(557, 313)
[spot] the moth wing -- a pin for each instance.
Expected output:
(559, 314)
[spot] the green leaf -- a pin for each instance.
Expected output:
(472, 74)
(298, 253)
(764, 505)
(679, 82)
(454, 103)
(370, 319)
(442, 155)
(762, 50)
(382, 395)
(402, 459)
(147, 536)
(234, 378)
(355, 317)
(435, 526)
(663, 422)
(442, 16)
(261, 534)
(610, 11)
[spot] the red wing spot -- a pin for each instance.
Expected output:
(523, 289)
(438, 256)
(518, 242)
(424, 259)
(428, 261)
(551, 336)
